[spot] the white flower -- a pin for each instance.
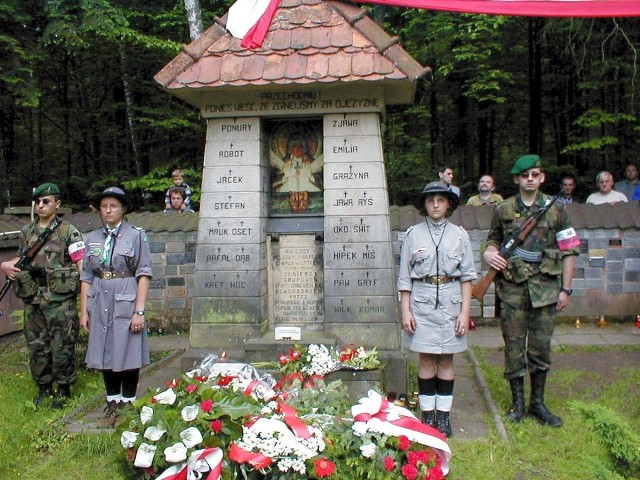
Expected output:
(154, 433)
(144, 455)
(175, 453)
(128, 439)
(146, 413)
(368, 450)
(359, 428)
(168, 397)
(190, 412)
(191, 437)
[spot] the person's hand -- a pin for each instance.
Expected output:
(494, 260)
(462, 324)
(137, 323)
(84, 321)
(563, 301)
(9, 269)
(408, 323)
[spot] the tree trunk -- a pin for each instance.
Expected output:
(194, 17)
(128, 101)
(535, 85)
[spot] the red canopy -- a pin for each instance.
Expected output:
(527, 8)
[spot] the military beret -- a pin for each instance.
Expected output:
(437, 187)
(526, 162)
(46, 189)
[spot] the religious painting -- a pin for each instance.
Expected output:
(296, 167)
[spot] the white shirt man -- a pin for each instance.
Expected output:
(607, 194)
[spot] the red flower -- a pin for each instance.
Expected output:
(324, 467)
(191, 388)
(435, 474)
(283, 359)
(310, 381)
(410, 472)
(225, 380)
(206, 405)
(173, 383)
(403, 442)
(200, 378)
(389, 463)
(294, 354)
(216, 426)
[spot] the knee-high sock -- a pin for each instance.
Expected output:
(444, 395)
(427, 393)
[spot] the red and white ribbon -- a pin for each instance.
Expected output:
(200, 461)
(383, 417)
(250, 20)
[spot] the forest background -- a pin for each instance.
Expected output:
(78, 104)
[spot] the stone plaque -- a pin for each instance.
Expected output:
(233, 178)
(351, 124)
(232, 128)
(356, 229)
(232, 204)
(231, 230)
(232, 152)
(352, 149)
(343, 283)
(357, 255)
(247, 283)
(354, 175)
(297, 280)
(232, 256)
(352, 309)
(371, 201)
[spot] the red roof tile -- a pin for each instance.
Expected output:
(308, 41)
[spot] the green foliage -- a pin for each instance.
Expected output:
(621, 441)
(159, 180)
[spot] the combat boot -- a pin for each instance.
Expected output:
(516, 412)
(43, 392)
(62, 395)
(428, 417)
(537, 408)
(443, 423)
(110, 415)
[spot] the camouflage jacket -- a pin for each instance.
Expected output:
(543, 279)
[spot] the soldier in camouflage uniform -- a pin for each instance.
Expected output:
(533, 285)
(49, 288)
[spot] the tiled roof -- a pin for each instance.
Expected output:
(583, 216)
(150, 221)
(323, 41)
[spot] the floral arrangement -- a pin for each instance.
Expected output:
(312, 360)
(358, 358)
(228, 421)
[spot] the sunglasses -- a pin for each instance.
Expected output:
(44, 201)
(530, 174)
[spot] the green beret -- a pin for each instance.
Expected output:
(46, 189)
(526, 162)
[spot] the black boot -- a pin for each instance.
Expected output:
(444, 425)
(110, 415)
(429, 418)
(43, 392)
(537, 408)
(516, 412)
(62, 395)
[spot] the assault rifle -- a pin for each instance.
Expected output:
(30, 253)
(510, 244)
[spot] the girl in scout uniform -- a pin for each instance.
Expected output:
(436, 269)
(115, 283)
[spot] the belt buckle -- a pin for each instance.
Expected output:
(437, 280)
(108, 275)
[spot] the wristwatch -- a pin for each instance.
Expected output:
(141, 312)
(568, 291)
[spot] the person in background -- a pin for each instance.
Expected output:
(630, 183)
(49, 290)
(115, 282)
(533, 285)
(178, 196)
(485, 196)
(606, 193)
(177, 177)
(445, 174)
(434, 281)
(569, 183)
